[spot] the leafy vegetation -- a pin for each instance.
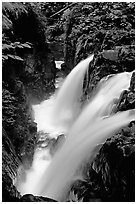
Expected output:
(9, 50)
(53, 12)
(94, 27)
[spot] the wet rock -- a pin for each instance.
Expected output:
(115, 163)
(63, 67)
(89, 190)
(10, 163)
(127, 100)
(33, 127)
(9, 192)
(53, 144)
(32, 198)
(103, 65)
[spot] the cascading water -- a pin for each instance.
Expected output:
(87, 128)
(67, 105)
(93, 126)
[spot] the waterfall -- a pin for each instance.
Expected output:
(67, 105)
(87, 128)
(61, 172)
(93, 126)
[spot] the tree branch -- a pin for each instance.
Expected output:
(62, 10)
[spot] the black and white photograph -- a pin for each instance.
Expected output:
(68, 101)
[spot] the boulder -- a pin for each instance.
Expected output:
(32, 198)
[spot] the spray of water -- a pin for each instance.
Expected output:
(28, 179)
(90, 127)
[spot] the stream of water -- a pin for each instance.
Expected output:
(85, 129)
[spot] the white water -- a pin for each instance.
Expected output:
(87, 129)
(56, 116)
(67, 106)
(43, 111)
(43, 117)
(28, 179)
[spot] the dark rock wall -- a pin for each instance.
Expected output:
(10, 163)
(28, 72)
(40, 72)
(57, 50)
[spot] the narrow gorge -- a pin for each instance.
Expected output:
(68, 100)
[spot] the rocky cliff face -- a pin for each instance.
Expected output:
(28, 66)
(40, 72)
(10, 163)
